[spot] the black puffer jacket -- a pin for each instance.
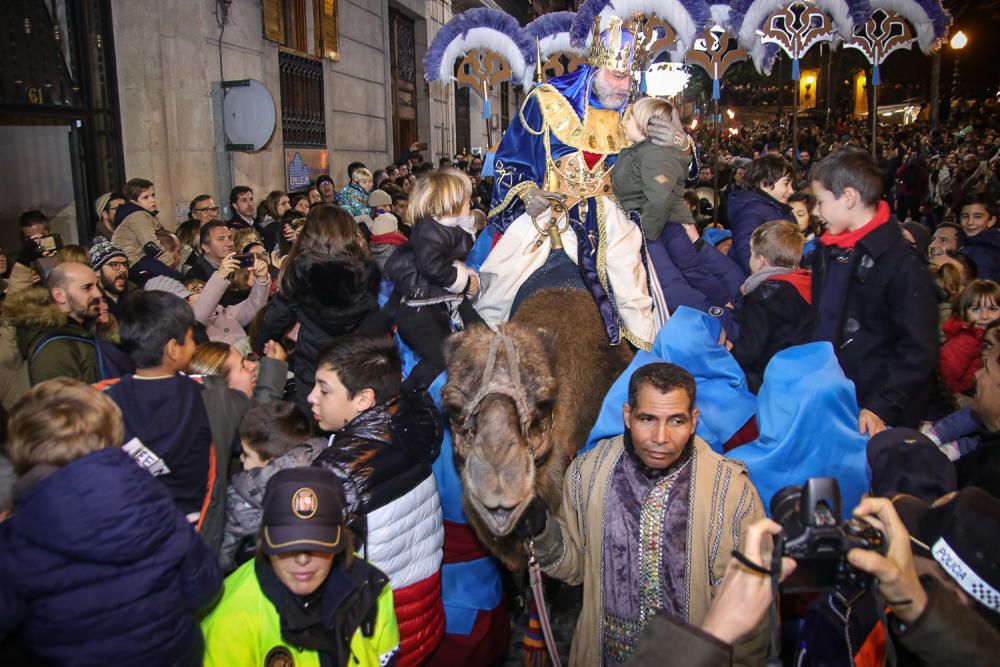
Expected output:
(430, 265)
(330, 297)
(384, 453)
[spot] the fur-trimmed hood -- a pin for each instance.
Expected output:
(33, 312)
(338, 283)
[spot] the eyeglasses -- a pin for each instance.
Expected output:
(213, 209)
(117, 266)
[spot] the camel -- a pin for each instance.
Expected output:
(521, 403)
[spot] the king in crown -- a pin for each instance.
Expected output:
(552, 190)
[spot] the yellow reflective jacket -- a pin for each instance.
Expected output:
(244, 629)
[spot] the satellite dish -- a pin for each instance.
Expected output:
(249, 116)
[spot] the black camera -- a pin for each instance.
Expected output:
(245, 259)
(814, 534)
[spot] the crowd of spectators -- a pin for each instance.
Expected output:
(212, 456)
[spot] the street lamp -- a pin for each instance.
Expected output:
(958, 42)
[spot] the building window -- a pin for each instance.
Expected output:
(303, 121)
(305, 26)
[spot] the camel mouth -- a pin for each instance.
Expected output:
(500, 519)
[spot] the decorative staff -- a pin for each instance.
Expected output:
(716, 53)
(879, 36)
(489, 47)
(796, 28)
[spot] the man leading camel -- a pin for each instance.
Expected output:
(647, 523)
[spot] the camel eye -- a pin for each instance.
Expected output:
(545, 406)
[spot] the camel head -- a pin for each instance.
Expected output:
(500, 397)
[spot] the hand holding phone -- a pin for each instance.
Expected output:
(246, 259)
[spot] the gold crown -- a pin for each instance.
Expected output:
(622, 47)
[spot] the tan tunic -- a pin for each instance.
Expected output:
(722, 502)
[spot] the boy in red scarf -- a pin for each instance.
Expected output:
(873, 295)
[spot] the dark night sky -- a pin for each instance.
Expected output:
(980, 60)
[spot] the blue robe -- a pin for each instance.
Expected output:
(807, 415)
(690, 340)
(521, 158)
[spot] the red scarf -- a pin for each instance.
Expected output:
(847, 240)
(392, 238)
(801, 280)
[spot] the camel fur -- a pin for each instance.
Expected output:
(506, 459)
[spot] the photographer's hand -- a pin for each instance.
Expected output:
(745, 595)
(228, 266)
(870, 423)
(897, 577)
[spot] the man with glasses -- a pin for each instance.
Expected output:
(110, 264)
(203, 209)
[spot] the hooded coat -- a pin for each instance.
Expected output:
(245, 502)
(330, 297)
(383, 457)
(984, 250)
(97, 567)
(690, 340)
(748, 210)
(38, 321)
(775, 315)
(808, 419)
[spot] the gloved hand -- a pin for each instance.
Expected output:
(533, 520)
(537, 201)
(667, 133)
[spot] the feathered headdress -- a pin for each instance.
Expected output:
(747, 17)
(485, 29)
(686, 17)
(552, 35)
(929, 19)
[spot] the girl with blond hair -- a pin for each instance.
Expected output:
(648, 181)
(429, 273)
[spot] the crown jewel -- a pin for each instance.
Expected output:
(621, 46)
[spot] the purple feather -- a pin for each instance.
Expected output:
(937, 14)
(583, 24)
(548, 25)
(480, 17)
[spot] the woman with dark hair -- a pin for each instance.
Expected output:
(269, 214)
(329, 285)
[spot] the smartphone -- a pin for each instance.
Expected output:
(44, 265)
(48, 243)
(246, 259)
(422, 146)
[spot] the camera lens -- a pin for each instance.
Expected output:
(785, 504)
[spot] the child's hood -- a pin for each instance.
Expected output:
(100, 508)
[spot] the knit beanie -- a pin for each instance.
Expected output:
(379, 198)
(102, 252)
(384, 224)
(101, 203)
(168, 285)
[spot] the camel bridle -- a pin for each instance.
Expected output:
(491, 384)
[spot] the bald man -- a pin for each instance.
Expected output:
(56, 335)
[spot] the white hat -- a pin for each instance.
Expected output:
(365, 220)
(385, 224)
